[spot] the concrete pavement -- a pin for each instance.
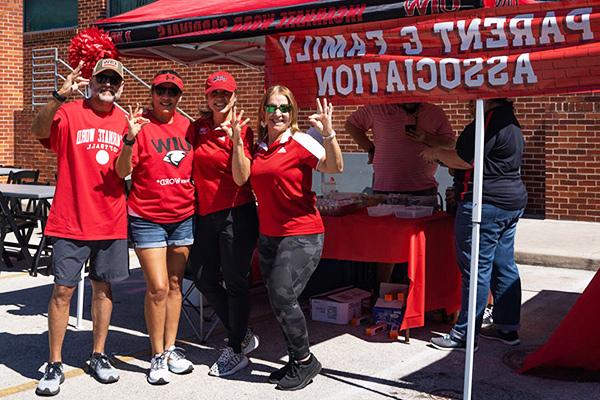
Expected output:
(355, 366)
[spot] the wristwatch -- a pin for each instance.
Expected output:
(60, 98)
(128, 142)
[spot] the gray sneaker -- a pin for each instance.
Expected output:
(99, 367)
(228, 363)
(250, 342)
(49, 385)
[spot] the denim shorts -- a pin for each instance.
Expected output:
(147, 234)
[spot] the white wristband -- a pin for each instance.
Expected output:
(330, 137)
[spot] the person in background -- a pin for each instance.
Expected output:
(400, 132)
(503, 203)
(226, 224)
(161, 208)
(291, 230)
(88, 220)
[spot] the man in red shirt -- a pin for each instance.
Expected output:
(400, 133)
(88, 218)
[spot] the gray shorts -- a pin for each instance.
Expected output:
(109, 260)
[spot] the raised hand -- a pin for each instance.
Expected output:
(135, 121)
(322, 119)
(74, 82)
(230, 105)
(233, 127)
(430, 155)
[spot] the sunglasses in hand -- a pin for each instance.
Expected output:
(112, 79)
(284, 108)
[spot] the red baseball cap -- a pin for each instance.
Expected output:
(168, 78)
(220, 80)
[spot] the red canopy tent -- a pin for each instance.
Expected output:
(442, 49)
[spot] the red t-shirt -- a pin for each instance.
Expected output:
(282, 180)
(89, 203)
(162, 190)
(215, 187)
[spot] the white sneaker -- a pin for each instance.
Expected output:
(228, 363)
(177, 362)
(488, 320)
(250, 342)
(159, 374)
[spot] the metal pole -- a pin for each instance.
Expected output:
(80, 288)
(476, 218)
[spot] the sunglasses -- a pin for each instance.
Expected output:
(284, 108)
(169, 91)
(112, 79)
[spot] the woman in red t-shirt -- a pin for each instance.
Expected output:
(158, 156)
(291, 230)
(227, 226)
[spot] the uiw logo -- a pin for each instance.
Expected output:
(175, 157)
(437, 6)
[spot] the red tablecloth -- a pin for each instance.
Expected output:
(573, 344)
(427, 244)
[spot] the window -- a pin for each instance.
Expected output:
(117, 7)
(40, 15)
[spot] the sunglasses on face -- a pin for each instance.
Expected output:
(284, 108)
(169, 91)
(112, 79)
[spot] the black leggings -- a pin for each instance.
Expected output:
(286, 264)
(222, 251)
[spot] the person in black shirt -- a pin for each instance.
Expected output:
(503, 202)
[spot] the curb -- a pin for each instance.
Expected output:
(549, 260)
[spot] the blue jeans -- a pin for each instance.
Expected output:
(497, 268)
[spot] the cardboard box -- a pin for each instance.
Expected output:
(390, 312)
(392, 288)
(339, 306)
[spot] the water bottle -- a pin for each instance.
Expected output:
(328, 186)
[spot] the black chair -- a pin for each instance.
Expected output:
(25, 177)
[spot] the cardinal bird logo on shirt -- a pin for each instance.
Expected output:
(175, 157)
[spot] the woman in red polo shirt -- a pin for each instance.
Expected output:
(161, 207)
(227, 226)
(291, 230)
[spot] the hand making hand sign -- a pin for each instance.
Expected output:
(74, 82)
(322, 120)
(136, 122)
(233, 127)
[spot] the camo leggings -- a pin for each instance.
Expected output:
(286, 264)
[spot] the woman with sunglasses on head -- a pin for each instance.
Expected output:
(291, 230)
(158, 156)
(227, 226)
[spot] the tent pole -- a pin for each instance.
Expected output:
(476, 218)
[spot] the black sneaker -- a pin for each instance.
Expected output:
(299, 375)
(507, 337)
(49, 385)
(448, 343)
(278, 375)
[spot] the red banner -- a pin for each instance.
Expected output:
(484, 53)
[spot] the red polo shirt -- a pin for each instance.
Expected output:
(282, 179)
(162, 189)
(215, 187)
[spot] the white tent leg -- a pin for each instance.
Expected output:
(80, 289)
(476, 218)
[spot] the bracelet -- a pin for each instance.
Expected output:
(60, 98)
(330, 137)
(128, 142)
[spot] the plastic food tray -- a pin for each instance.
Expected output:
(413, 212)
(382, 210)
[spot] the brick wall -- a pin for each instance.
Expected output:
(561, 165)
(11, 73)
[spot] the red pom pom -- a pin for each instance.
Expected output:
(91, 45)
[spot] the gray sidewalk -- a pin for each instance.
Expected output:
(561, 244)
